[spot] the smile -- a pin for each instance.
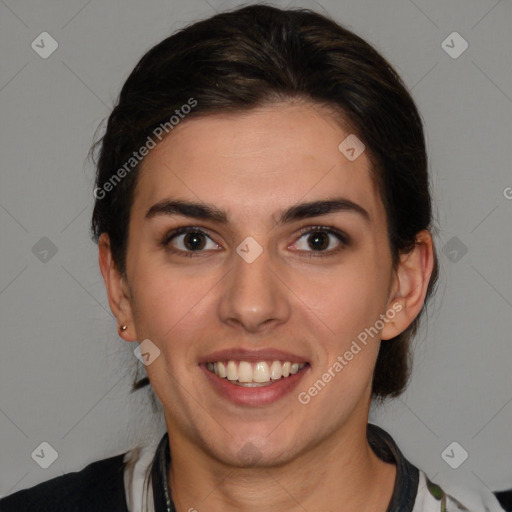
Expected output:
(261, 373)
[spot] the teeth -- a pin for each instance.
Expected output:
(232, 371)
(254, 373)
(276, 370)
(244, 372)
(261, 372)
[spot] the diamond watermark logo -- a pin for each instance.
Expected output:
(44, 45)
(249, 249)
(147, 352)
(45, 455)
(454, 249)
(44, 249)
(351, 147)
(454, 45)
(249, 454)
(454, 455)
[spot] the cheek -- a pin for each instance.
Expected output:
(171, 308)
(349, 305)
(347, 299)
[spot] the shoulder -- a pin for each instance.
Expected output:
(415, 492)
(99, 486)
(435, 498)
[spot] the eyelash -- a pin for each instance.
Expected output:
(342, 237)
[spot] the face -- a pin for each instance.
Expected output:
(265, 270)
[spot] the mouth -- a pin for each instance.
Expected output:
(254, 374)
(253, 378)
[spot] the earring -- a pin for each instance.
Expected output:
(123, 328)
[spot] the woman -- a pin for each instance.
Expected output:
(263, 216)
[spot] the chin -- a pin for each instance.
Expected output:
(250, 450)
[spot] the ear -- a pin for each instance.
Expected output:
(409, 287)
(117, 289)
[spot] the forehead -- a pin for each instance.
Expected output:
(258, 162)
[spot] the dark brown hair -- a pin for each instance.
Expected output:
(242, 59)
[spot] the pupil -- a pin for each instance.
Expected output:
(315, 237)
(193, 241)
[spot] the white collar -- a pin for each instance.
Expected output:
(137, 484)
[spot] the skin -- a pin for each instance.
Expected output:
(254, 165)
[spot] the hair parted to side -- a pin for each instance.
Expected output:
(256, 55)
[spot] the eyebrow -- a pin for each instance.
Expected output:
(296, 212)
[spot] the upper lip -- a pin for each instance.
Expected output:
(241, 354)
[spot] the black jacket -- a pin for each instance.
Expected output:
(99, 487)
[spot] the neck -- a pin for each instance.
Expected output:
(341, 469)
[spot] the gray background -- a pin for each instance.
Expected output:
(65, 374)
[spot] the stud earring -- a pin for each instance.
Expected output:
(123, 327)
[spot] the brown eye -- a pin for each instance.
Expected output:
(193, 241)
(188, 240)
(319, 239)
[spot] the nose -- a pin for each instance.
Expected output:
(254, 297)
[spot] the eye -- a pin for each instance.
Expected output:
(318, 239)
(191, 241)
(187, 240)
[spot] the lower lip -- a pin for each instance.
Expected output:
(263, 395)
